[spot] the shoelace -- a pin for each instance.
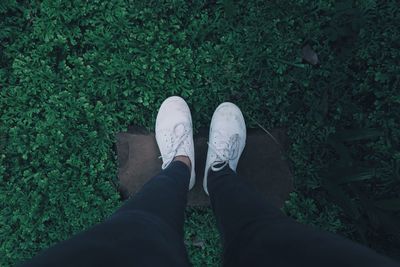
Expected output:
(226, 149)
(176, 142)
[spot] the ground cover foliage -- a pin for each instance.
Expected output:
(73, 73)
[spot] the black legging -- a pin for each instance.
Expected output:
(148, 231)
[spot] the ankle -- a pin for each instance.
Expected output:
(185, 160)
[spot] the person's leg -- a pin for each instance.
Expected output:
(163, 195)
(254, 233)
(146, 231)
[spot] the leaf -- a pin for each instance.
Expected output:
(356, 135)
(379, 218)
(196, 242)
(341, 199)
(309, 55)
(343, 5)
(392, 204)
(199, 244)
(230, 8)
(341, 150)
(353, 174)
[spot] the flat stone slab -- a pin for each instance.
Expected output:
(262, 164)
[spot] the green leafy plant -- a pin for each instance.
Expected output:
(74, 73)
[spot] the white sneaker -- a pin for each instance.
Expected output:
(174, 133)
(227, 139)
